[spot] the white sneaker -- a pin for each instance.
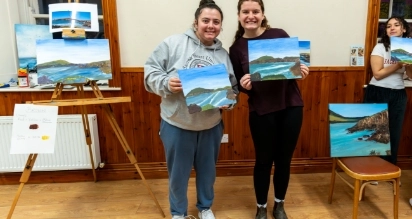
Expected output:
(374, 183)
(206, 214)
(183, 217)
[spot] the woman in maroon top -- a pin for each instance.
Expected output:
(276, 109)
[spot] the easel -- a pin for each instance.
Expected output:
(82, 103)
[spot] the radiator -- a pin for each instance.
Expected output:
(70, 153)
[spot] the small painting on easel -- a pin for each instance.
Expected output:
(73, 15)
(26, 36)
(73, 61)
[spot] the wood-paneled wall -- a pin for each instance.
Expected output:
(140, 120)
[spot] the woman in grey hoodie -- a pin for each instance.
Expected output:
(190, 140)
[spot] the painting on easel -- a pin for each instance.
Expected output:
(73, 61)
(26, 36)
(73, 15)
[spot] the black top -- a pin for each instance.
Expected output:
(265, 96)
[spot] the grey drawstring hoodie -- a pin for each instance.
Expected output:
(183, 51)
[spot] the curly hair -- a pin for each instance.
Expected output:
(385, 39)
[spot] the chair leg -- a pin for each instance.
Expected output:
(332, 181)
(363, 190)
(396, 198)
(356, 199)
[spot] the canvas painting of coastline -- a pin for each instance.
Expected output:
(304, 52)
(360, 129)
(73, 15)
(206, 87)
(73, 61)
(26, 36)
(401, 49)
(274, 59)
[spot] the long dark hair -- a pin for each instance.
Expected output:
(207, 4)
(240, 30)
(385, 39)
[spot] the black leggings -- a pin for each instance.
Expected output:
(274, 136)
(396, 100)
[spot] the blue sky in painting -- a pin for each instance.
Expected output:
(26, 35)
(401, 43)
(209, 77)
(304, 46)
(61, 14)
(357, 109)
(74, 51)
(277, 48)
(81, 15)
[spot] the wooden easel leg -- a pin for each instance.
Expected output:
(23, 179)
(128, 151)
(86, 128)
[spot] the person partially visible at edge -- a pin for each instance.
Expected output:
(387, 84)
(190, 140)
(275, 109)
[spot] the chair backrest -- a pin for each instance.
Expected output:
(359, 129)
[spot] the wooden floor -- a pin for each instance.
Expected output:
(306, 198)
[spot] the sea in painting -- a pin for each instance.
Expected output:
(274, 59)
(401, 49)
(61, 19)
(73, 61)
(26, 36)
(359, 130)
(304, 52)
(206, 87)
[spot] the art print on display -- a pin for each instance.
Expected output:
(26, 36)
(206, 87)
(73, 15)
(304, 52)
(401, 49)
(274, 59)
(360, 129)
(73, 61)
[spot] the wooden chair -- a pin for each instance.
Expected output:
(365, 170)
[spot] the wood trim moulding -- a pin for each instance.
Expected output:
(111, 32)
(372, 22)
(132, 70)
(312, 69)
(158, 170)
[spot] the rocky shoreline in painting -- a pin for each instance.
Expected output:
(270, 59)
(104, 66)
(377, 122)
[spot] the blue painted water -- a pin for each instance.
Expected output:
(344, 144)
(402, 57)
(64, 23)
(216, 99)
(277, 68)
(28, 62)
(70, 74)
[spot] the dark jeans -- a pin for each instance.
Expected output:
(274, 136)
(396, 100)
